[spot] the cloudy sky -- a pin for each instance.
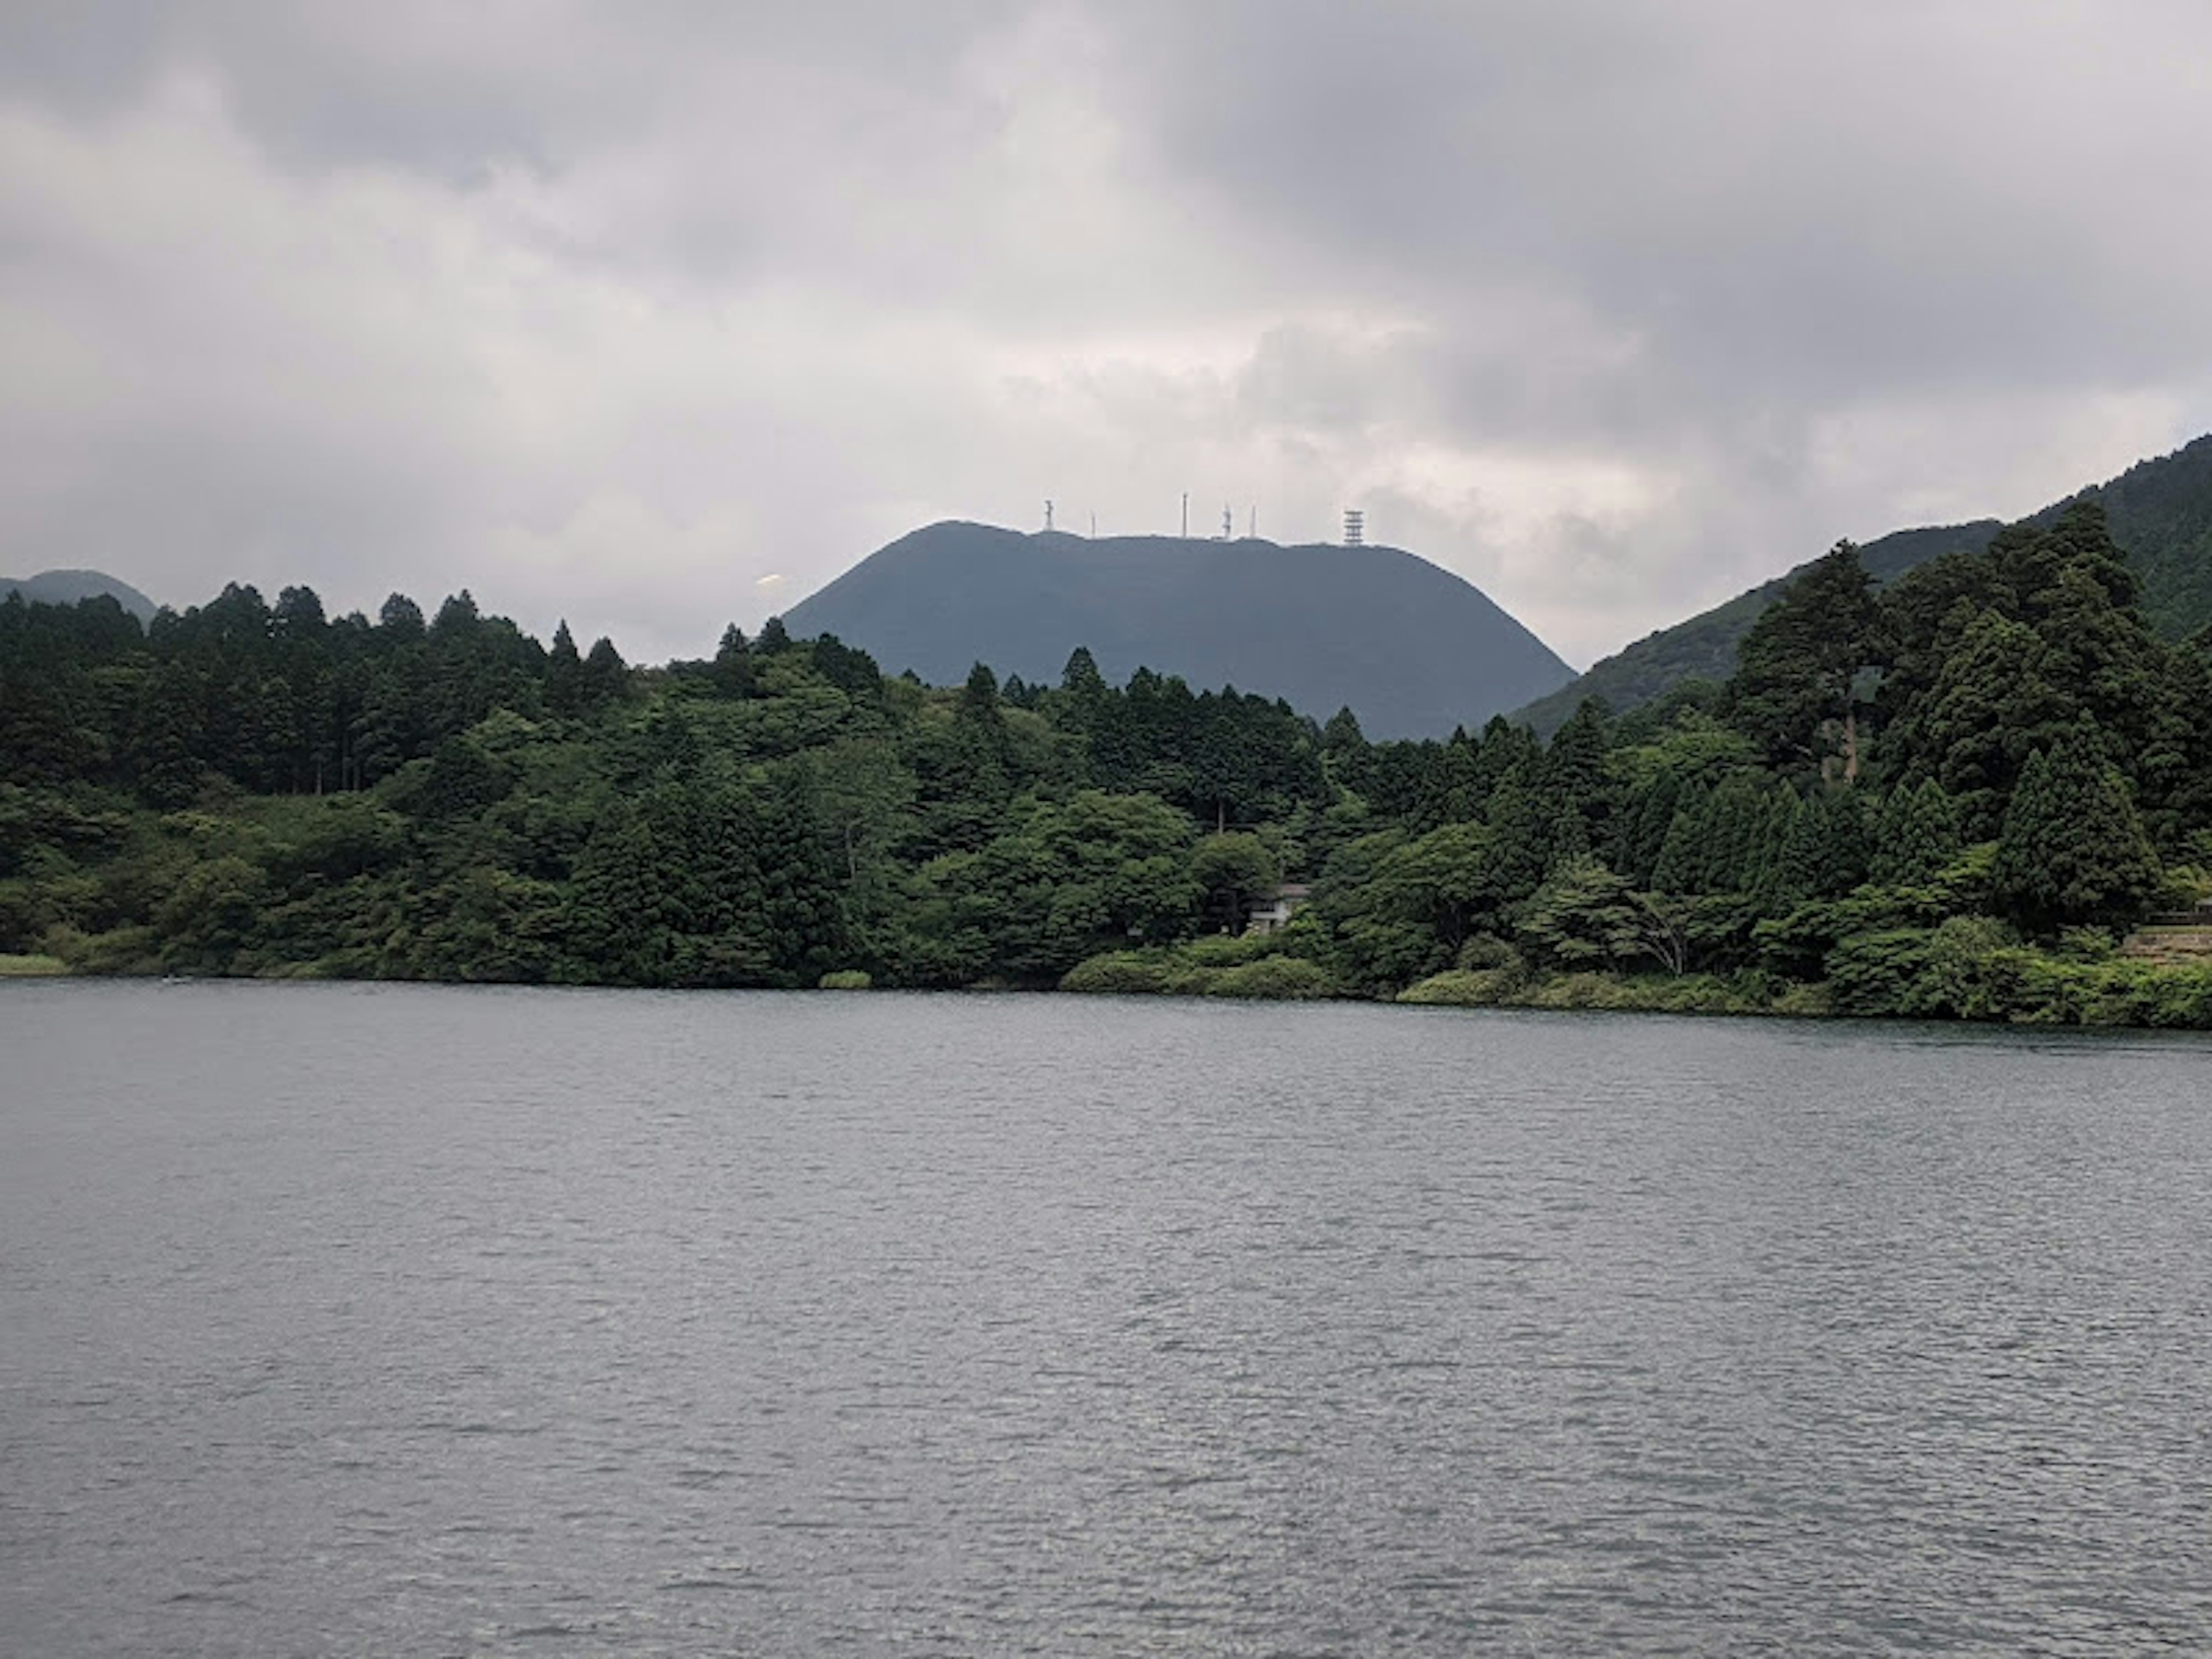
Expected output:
(657, 315)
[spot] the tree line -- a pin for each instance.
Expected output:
(1951, 795)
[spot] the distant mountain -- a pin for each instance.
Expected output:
(67, 586)
(1411, 649)
(2160, 512)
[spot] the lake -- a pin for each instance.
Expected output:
(364, 1319)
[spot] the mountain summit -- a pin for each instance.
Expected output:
(1409, 648)
(67, 586)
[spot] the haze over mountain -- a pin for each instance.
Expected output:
(67, 586)
(2160, 512)
(1410, 648)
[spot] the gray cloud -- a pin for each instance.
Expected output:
(613, 312)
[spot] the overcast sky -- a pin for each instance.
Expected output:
(658, 315)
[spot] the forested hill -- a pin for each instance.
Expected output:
(1704, 647)
(1958, 793)
(2160, 513)
(1410, 648)
(67, 586)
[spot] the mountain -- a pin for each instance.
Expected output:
(67, 586)
(2160, 512)
(1704, 647)
(1411, 649)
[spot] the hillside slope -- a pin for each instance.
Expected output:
(2160, 512)
(67, 586)
(1704, 647)
(1410, 648)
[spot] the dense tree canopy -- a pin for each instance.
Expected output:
(1910, 801)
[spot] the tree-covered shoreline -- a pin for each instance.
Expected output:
(1956, 796)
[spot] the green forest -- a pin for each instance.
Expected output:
(1981, 791)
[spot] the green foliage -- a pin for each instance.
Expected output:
(1253, 968)
(1919, 835)
(2073, 850)
(245, 788)
(1231, 871)
(1793, 694)
(1277, 978)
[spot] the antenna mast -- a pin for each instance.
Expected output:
(1048, 514)
(1186, 515)
(1355, 527)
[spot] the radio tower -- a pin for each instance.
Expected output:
(1048, 515)
(1228, 523)
(1355, 527)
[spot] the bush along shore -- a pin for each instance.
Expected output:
(1983, 791)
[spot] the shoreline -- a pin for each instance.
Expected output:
(1695, 996)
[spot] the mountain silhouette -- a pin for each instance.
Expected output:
(1410, 648)
(67, 586)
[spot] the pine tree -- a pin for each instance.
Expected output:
(733, 671)
(1646, 823)
(564, 673)
(1839, 820)
(1680, 865)
(1795, 874)
(1574, 778)
(606, 677)
(2073, 850)
(1918, 835)
(1792, 692)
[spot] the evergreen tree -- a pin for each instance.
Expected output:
(1793, 691)
(2073, 850)
(1345, 754)
(606, 677)
(1651, 813)
(400, 620)
(1575, 779)
(732, 670)
(1680, 866)
(564, 673)
(1918, 837)
(1839, 819)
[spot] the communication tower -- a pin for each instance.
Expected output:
(1355, 527)
(1228, 524)
(1048, 514)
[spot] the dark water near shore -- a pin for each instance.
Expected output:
(368, 1320)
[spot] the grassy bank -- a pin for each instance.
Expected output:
(32, 967)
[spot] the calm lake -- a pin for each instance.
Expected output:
(348, 1319)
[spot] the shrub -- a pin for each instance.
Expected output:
(1875, 973)
(1230, 951)
(1805, 1002)
(847, 979)
(1119, 972)
(1286, 977)
(1462, 988)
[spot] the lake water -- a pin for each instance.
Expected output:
(398, 1320)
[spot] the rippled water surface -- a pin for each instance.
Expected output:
(365, 1320)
